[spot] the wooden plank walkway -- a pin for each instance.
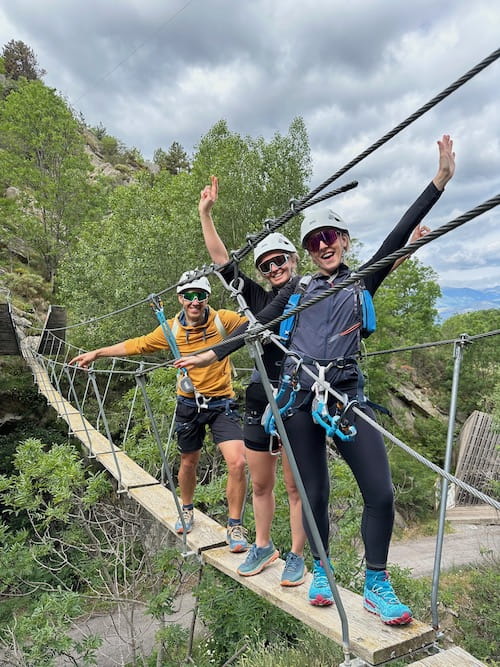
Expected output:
(56, 319)
(452, 657)
(485, 514)
(370, 640)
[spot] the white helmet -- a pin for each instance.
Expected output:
(323, 217)
(196, 283)
(274, 241)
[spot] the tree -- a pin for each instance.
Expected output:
(175, 160)
(20, 61)
(153, 233)
(42, 154)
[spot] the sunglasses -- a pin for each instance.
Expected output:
(328, 236)
(191, 296)
(266, 267)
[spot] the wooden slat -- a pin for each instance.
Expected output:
(485, 514)
(9, 344)
(452, 657)
(370, 639)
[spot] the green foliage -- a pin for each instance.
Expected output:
(153, 233)
(236, 617)
(43, 155)
(174, 160)
(471, 595)
(19, 60)
(36, 639)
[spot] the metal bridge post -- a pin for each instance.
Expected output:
(457, 354)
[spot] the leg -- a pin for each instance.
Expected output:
(187, 475)
(299, 536)
(262, 468)
(233, 452)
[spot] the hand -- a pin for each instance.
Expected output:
(208, 196)
(419, 232)
(84, 360)
(446, 167)
(196, 360)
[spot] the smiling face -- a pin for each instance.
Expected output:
(326, 248)
(193, 303)
(277, 272)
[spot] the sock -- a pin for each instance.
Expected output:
(188, 507)
(233, 522)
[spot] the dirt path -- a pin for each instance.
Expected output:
(469, 543)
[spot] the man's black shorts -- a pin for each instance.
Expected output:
(190, 424)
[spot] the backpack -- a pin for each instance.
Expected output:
(365, 301)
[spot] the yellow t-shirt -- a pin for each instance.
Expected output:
(213, 380)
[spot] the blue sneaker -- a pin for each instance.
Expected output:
(257, 559)
(380, 599)
(294, 571)
(236, 537)
(188, 516)
(320, 593)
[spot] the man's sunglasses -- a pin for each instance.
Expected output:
(267, 266)
(328, 236)
(191, 296)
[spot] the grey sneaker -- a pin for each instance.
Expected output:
(188, 516)
(236, 537)
(257, 559)
(294, 571)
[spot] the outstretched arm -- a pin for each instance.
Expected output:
(215, 246)
(86, 358)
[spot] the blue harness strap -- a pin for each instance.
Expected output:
(156, 303)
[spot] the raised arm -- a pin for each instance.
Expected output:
(215, 246)
(446, 167)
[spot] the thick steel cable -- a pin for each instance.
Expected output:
(355, 276)
(404, 124)
(421, 346)
(300, 204)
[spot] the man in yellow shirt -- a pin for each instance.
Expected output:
(212, 403)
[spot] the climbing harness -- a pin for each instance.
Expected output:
(288, 382)
(337, 425)
(287, 326)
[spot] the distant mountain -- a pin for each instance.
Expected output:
(457, 300)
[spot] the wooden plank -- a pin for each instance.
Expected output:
(473, 514)
(452, 657)
(9, 344)
(370, 639)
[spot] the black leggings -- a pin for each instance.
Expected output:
(367, 458)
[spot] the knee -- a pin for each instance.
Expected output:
(236, 466)
(293, 493)
(262, 489)
(189, 462)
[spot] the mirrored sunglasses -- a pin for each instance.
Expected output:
(191, 296)
(328, 236)
(267, 266)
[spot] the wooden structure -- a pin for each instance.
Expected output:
(370, 640)
(9, 343)
(452, 657)
(54, 332)
(478, 465)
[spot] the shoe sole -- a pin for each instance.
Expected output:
(289, 583)
(270, 560)
(239, 548)
(320, 601)
(180, 531)
(401, 620)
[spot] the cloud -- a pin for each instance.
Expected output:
(155, 72)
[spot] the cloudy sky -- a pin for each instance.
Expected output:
(157, 71)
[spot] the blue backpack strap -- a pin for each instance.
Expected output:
(286, 326)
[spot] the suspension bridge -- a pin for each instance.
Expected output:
(361, 635)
